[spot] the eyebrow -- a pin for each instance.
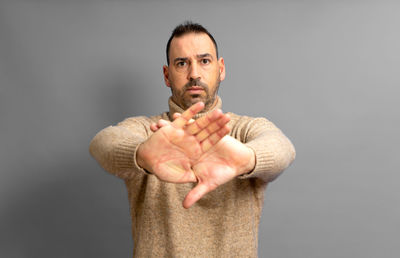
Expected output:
(204, 55)
(198, 56)
(180, 59)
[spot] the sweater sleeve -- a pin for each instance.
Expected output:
(115, 147)
(273, 150)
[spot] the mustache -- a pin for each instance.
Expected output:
(195, 82)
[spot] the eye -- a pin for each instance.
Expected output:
(181, 64)
(205, 61)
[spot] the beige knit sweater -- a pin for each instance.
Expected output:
(224, 223)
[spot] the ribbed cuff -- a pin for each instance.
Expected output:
(264, 162)
(125, 156)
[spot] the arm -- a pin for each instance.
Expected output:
(274, 152)
(115, 147)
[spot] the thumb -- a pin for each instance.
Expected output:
(195, 194)
(176, 115)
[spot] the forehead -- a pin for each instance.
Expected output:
(191, 44)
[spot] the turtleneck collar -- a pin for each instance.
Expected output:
(174, 108)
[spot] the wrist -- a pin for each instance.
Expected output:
(250, 162)
(140, 159)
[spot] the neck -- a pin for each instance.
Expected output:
(175, 108)
(212, 106)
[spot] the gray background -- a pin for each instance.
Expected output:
(326, 72)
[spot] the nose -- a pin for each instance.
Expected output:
(194, 72)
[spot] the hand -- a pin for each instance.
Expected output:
(228, 159)
(169, 152)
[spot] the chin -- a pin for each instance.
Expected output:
(193, 100)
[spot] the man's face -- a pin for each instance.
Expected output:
(194, 72)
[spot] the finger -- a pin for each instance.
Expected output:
(195, 194)
(161, 123)
(213, 127)
(176, 115)
(154, 127)
(203, 122)
(214, 138)
(181, 121)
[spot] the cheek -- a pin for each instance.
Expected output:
(215, 72)
(176, 86)
(178, 80)
(213, 78)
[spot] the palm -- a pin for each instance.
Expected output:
(170, 149)
(222, 163)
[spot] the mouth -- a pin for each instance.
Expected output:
(195, 89)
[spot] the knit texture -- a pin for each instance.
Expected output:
(224, 223)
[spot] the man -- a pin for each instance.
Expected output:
(195, 176)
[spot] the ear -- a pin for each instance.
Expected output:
(221, 65)
(166, 75)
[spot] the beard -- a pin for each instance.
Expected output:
(185, 99)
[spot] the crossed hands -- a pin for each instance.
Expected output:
(188, 150)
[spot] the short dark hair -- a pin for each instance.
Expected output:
(188, 27)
